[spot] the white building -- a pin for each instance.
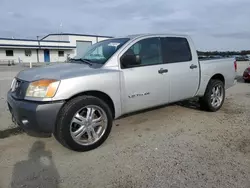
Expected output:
(51, 48)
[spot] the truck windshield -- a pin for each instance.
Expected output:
(100, 52)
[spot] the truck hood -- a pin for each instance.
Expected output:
(57, 72)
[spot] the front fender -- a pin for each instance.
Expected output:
(108, 83)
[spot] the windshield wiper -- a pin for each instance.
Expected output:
(83, 60)
(87, 60)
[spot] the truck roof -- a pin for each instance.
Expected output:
(154, 34)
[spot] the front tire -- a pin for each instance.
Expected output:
(84, 123)
(214, 96)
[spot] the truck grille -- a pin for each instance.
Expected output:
(19, 89)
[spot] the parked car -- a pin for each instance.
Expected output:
(246, 75)
(78, 101)
(242, 58)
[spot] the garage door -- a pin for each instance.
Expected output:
(82, 46)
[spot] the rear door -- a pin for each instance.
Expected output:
(183, 69)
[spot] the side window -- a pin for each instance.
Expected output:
(149, 51)
(60, 53)
(176, 49)
(9, 52)
(28, 52)
(136, 48)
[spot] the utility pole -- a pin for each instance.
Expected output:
(60, 36)
(37, 50)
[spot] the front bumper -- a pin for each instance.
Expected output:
(34, 116)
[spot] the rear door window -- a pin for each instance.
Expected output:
(176, 49)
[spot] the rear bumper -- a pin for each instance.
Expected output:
(246, 77)
(33, 116)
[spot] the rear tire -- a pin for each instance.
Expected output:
(63, 131)
(208, 101)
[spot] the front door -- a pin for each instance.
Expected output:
(183, 68)
(46, 56)
(145, 85)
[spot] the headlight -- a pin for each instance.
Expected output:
(13, 84)
(42, 88)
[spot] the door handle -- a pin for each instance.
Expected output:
(193, 66)
(162, 71)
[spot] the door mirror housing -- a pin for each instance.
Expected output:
(130, 60)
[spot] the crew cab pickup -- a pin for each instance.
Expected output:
(78, 101)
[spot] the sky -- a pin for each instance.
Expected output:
(213, 24)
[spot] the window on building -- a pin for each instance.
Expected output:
(61, 53)
(28, 53)
(9, 53)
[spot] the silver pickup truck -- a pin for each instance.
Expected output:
(77, 101)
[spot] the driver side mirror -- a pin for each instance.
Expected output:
(130, 60)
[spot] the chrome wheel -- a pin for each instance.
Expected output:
(217, 96)
(88, 125)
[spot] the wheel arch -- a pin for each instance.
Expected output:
(99, 94)
(218, 76)
(206, 81)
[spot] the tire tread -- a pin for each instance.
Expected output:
(204, 101)
(59, 131)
